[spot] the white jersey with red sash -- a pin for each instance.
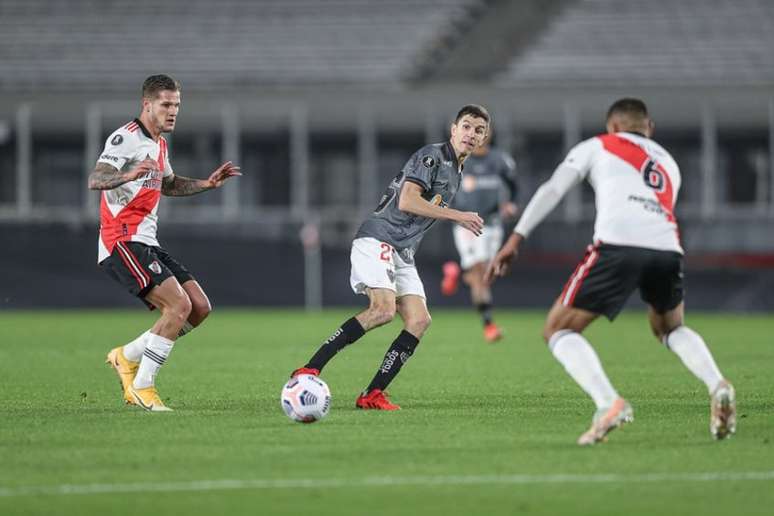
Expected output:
(128, 212)
(635, 182)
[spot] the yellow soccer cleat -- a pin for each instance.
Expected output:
(125, 369)
(148, 399)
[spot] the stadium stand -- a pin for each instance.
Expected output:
(613, 42)
(61, 45)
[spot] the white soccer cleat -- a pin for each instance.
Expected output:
(606, 420)
(723, 411)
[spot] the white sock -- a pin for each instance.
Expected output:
(133, 350)
(154, 356)
(690, 347)
(582, 364)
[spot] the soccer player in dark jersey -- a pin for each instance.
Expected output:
(383, 252)
(488, 188)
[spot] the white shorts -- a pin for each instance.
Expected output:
(376, 264)
(479, 249)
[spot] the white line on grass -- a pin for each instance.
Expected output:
(321, 483)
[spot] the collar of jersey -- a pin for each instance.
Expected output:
(635, 132)
(448, 150)
(142, 128)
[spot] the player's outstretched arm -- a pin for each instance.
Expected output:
(411, 201)
(107, 177)
(501, 263)
(542, 203)
(178, 186)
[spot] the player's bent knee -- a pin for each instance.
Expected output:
(417, 326)
(381, 314)
(180, 309)
(199, 312)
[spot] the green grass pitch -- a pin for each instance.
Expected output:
(485, 429)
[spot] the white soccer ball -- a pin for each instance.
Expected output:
(306, 398)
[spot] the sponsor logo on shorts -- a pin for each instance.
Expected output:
(391, 275)
(155, 267)
(117, 140)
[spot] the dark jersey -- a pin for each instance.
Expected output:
(483, 187)
(434, 168)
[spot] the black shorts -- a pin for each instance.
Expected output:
(139, 268)
(608, 274)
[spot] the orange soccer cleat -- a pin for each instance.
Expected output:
(305, 370)
(451, 278)
(492, 332)
(376, 399)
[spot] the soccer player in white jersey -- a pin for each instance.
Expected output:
(133, 172)
(636, 246)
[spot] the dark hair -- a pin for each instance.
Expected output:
(629, 107)
(156, 83)
(473, 110)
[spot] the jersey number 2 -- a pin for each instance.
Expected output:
(386, 252)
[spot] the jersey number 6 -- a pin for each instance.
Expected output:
(653, 176)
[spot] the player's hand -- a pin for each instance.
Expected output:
(501, 263)
(223, 172)
(471, 221)
(141, 169)
(508, 210)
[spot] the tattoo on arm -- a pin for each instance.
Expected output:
(105, 177)
(178, 186)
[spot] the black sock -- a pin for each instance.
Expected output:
(400, 351)
(349, 332)
(485, 309)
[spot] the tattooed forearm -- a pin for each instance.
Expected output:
(106, 177)
(178, 186)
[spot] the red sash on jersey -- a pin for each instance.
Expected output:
(634, 155)
(124, 224)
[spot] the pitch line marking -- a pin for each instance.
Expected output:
(233, 484)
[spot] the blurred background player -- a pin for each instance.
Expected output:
(133, 172)
(636, 246)
(383, 252)
(489, 188)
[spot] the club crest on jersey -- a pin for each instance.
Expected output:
(428, 161)
(155, 267)
(437, 200)
(117, 140)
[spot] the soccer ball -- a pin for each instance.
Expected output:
(306, 398)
